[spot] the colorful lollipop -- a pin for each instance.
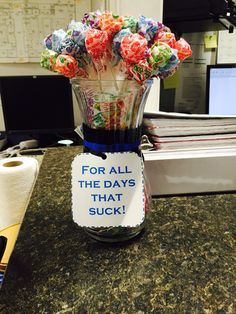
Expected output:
(77, 32)
(96, 42)
(160, 54)
(171, 66)
(133, 48)
(53, 41)
(110, 23)
(117, 39)
(147, 27)
(166, 37)
(116, 44)
(184, 50)
(48, 59)
(69, 47)
(131, 23)
(69, 67)
(91, 19)
(140, 71)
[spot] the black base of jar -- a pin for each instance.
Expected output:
(114, 234)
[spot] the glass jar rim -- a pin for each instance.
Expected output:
(109, 81)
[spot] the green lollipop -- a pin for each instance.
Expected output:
(131, 23)
(160, 54)
(48, 59)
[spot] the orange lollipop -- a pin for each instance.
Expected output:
(110, 22)
(184, 50)
(68, 66)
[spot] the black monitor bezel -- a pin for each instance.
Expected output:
(209, 67)
(38, 131)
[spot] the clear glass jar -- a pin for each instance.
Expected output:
(112, 113)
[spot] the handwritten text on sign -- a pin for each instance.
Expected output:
(108, 192)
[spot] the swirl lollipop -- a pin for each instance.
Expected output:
(184, 50)
(133, 48)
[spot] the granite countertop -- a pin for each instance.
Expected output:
(184, 262)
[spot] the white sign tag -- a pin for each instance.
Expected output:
(108, 192)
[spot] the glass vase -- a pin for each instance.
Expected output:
(112, 114)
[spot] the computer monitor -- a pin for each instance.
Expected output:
(221, 89)
(40, 104)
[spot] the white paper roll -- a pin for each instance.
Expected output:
(17, 178)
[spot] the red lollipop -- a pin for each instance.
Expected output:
(133, 48)
(96, 42)
(184, 50)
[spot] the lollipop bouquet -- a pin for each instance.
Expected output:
(110, 61)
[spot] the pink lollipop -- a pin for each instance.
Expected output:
(133, 48)
(96, 42)
(166, 37)
(184, 50)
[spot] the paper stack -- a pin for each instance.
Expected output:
(190, 153)
(187, 132)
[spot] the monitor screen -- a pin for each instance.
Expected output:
(221, 89)
(37, 104)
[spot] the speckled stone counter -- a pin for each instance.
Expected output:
(184, 262)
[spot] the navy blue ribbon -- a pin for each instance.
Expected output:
(116, 147)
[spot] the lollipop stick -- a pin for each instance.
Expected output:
(97, 67)
(113, 76)
(100, 81)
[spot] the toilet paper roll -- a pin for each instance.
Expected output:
(17, 178)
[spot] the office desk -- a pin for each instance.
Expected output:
(182, 263)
